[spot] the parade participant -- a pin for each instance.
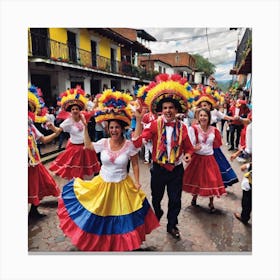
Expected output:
(208, 102)
(147, 118)
(246, 183)
(202, 176)
(75, 161)
(170, 141)
(237, 109)
(40, 182)
(109, 212)
(246, 201)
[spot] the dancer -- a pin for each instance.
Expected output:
(75, 161)
(109, 212)
(202, 176)
(208, 102)
(170, 143)
(40, 182)
(146, 119)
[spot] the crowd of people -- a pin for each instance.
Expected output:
(179, 128)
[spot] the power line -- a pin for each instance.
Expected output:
(190, 37)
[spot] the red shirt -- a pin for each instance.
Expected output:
(151, 133)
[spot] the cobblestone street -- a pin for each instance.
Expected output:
(201, 232)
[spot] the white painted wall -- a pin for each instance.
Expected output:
(198, 77)
(168, 69)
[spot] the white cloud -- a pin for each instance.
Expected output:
(218, 45)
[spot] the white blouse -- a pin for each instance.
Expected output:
(114, 163)
(205, 139)
(75, 129)
(216, 116)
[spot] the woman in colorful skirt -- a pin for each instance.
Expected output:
(40, 182)
(75, 161)
(208, 102)
(109, 212)
(202, 176)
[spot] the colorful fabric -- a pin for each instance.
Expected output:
(176, 140)
(33, 152)
(202, 177)
(40, 184)
(104, 216)
(75, 161)
(228, 174)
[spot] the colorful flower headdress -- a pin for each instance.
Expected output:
(206, 96)
(36, 104)
(142, 94)
(114, 105)
(169, 86)
(73, 96)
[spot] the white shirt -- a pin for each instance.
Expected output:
(75, 129)
(206, 146)
(90, 105)
(216, 116)
(114, 163)
(248, 138)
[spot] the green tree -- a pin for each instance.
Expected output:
(203, 65)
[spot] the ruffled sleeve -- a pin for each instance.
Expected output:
(66, 125)
(132, 150)
(99, 145)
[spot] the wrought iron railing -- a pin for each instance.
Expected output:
(44, 47)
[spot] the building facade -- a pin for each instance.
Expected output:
(95, 58)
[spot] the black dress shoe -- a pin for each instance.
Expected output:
(193, 203)
(231, 149)
(160, 215)
(174, 232)
(238, 217)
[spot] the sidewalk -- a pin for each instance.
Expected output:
(201, 232)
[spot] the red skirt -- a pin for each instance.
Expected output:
(75, 161)
(40, 184)
(202, 177)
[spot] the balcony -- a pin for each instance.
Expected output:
(46, 48)
(243, 62)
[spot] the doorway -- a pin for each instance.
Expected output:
(44, 83)
(95, 86)
(71, 43)
(40, 42)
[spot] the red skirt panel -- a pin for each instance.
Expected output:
(86, 241)
(202, 177)
(40, 184)
(75, 161)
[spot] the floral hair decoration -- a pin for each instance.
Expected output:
(171, 87)
(206, 96)
(142, 94)
(36, 105)
(114, 105)
(73, 96)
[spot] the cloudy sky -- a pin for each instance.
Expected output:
(218, 45)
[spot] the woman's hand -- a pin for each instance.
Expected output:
(83, 119)
(137, 185)
(197, 147)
